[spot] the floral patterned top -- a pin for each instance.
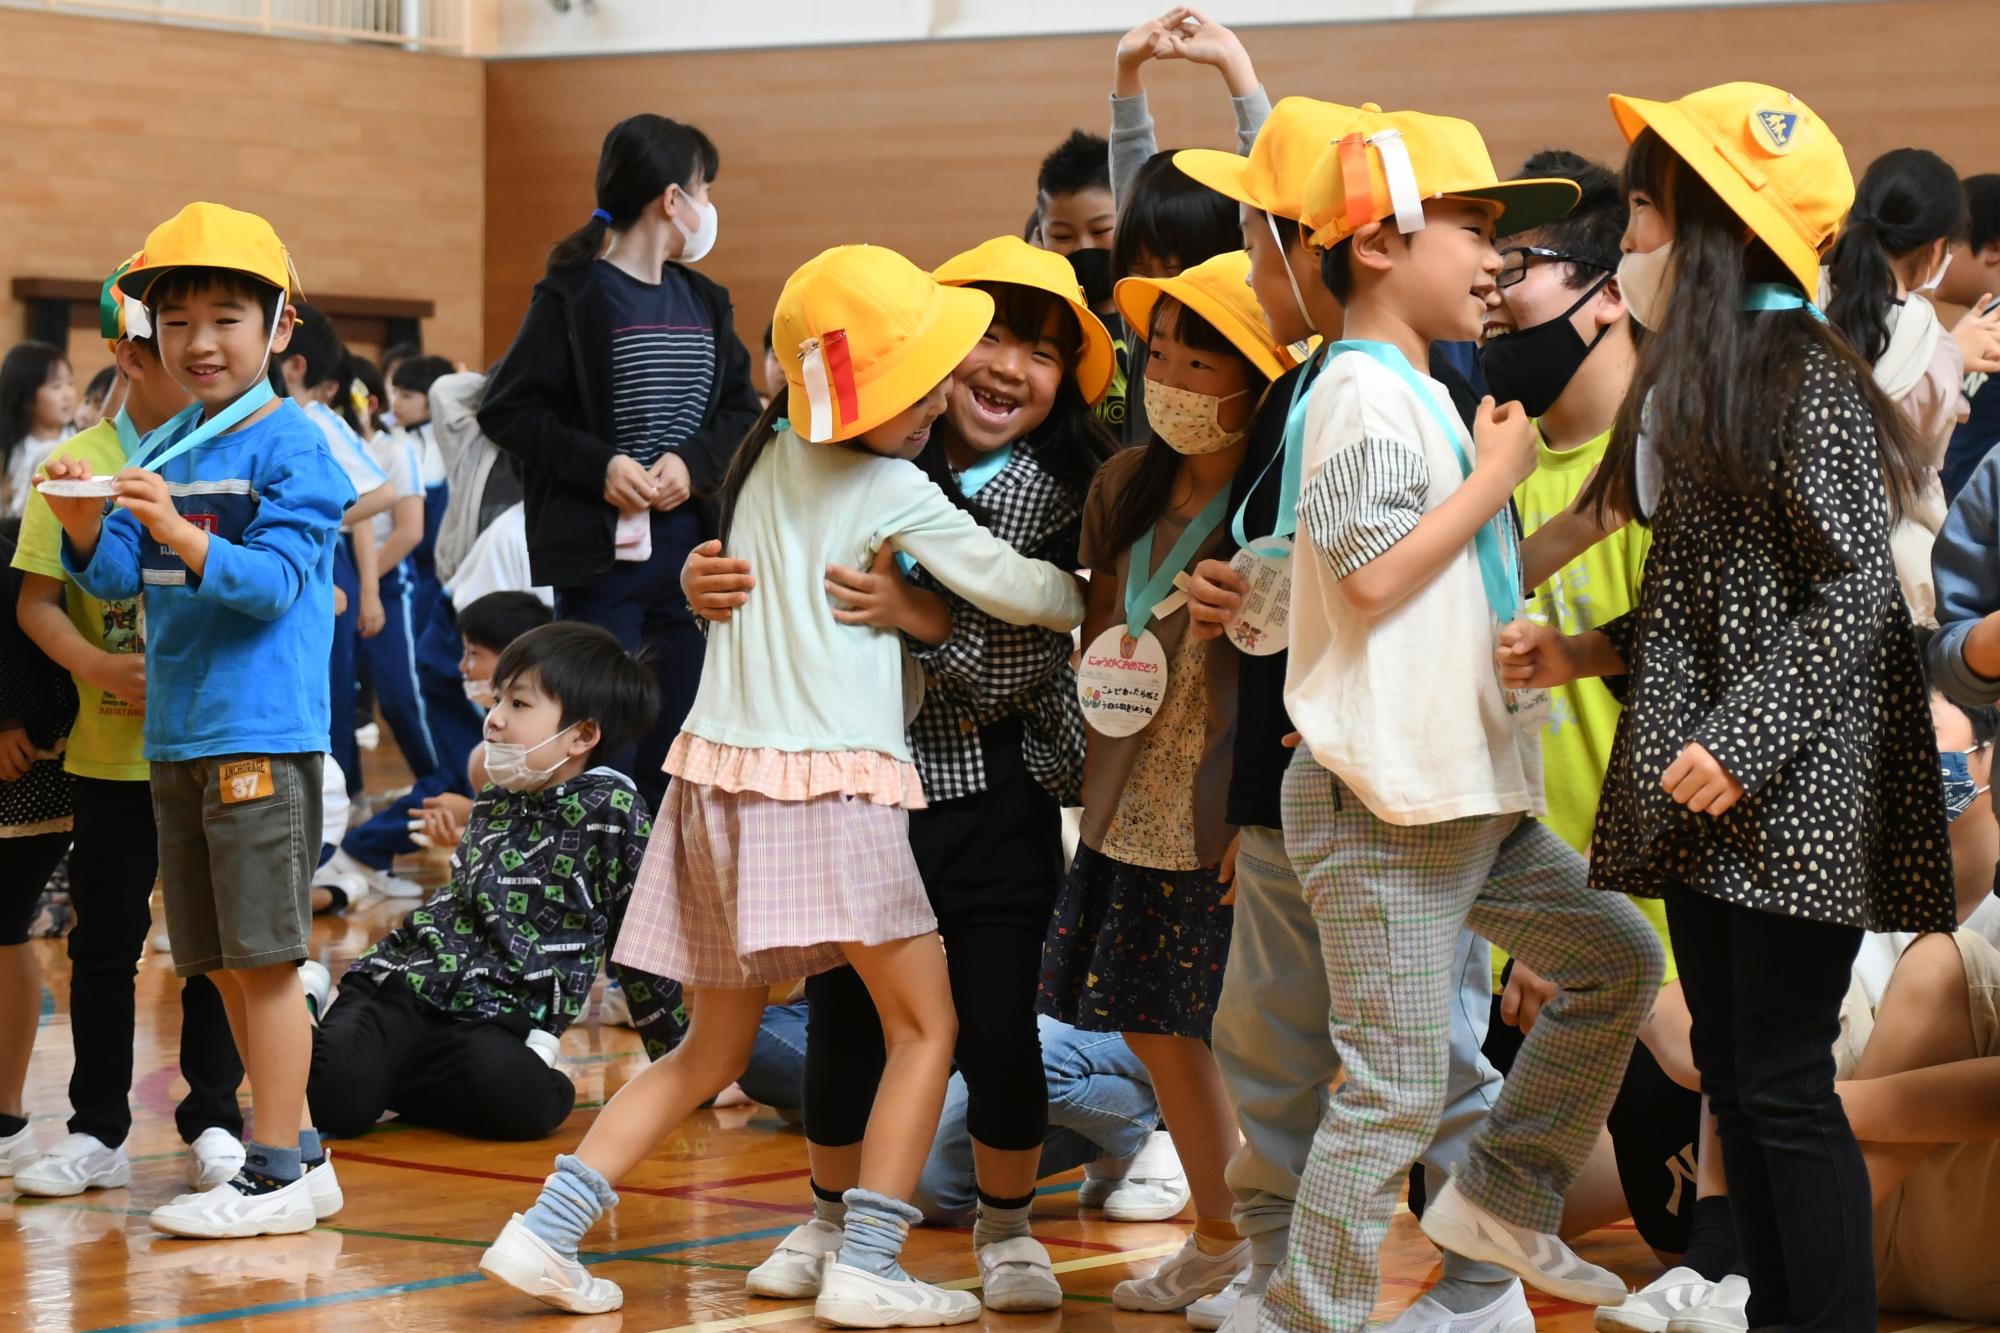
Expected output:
(1771, 630)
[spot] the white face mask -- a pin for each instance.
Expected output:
(1190, 422)
(697, 243)
(1642, 280)
(1938, 276)
(507, 763)
(481, 693)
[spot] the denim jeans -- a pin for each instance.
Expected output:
(1100, 1104)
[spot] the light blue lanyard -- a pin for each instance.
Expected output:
(971, 482)
(246, 403)
(1141, 598)
(1291, 452)
(1498, 555)
(128, 434)
(1777, 296)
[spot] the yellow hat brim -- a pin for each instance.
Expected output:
(1693, 146)
(1099, 359)
(1225, 173)
(957, 319)
(1137, 298)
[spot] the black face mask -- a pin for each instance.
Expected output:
(1535, 365)
(1093, 274)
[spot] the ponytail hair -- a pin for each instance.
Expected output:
(641, 157)
(745, 459)
(1908, 198)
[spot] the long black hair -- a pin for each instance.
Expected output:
(1907, 200)
(1716, 385)
(641, 157)
(1173, 217)
(22, 375)
(1146, 496)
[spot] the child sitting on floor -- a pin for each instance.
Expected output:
(453, 1018)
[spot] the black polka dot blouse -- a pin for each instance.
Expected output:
(1773, 631)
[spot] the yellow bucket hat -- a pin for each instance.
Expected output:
(1773, 162)
(862, 333)
(1218, 290)
(1011, 259)
(1389, 162)
(211, 236)
(1273, 177)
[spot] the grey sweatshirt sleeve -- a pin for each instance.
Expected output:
(1132, 141)
(1965, 569)
(1252, 110)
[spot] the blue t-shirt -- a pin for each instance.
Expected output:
(662, 361)
(236, 656)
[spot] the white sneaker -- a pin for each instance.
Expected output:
(1654, 1306)
(527, 1263)
(1507, 1313)
(1016, 1277)
(77, 1163)
(852, 1298)
(1246, 1316)
(353, 887)
(318, 984)
(214, 1158)
(1149, 1186)
(1212, 1312)
(324, 1187)
(17, 1150)
(545, 1045)
(227, 1212)
(1456, 1223)
(368, 735)
(1183, 1278)
(614, 1010)
(793, 1270)
(1725, 1310)
(381, 881)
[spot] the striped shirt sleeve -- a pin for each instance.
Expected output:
(1362, 501)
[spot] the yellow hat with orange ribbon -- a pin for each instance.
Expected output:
(205, 235)
(1218, 290)
(1770, 159)
(1388, 163)
(1011, 259)
(862, 334)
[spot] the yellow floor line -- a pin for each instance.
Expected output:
(791, 1312)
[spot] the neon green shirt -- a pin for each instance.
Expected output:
(107, 740)
(1598, 586)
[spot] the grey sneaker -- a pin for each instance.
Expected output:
(1456, 1223)
(1016, 1276)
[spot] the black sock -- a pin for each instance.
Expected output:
(249, 1180)
(1711, 1248)
(11, 1125)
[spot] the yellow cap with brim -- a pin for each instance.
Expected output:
(1273, 176)
(1770, 159)
(862, 334)
(1011, 259)
(1218, 290)
(206, 235)
(1389, 162)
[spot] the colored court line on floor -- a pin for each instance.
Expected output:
(425, 1284)
(691, 1193)
(792, 1312)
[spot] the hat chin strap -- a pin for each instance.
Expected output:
(1404, 196)
(1298, 297)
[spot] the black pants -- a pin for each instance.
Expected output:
(992, 864)
(1765, 993)
(382, 1049)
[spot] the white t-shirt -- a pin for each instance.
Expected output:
(29, 455)
(1406, 707)
(348, 450)
(395, 455)
(497, 562)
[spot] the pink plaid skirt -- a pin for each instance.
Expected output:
(739, 890)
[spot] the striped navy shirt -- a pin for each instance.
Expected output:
(662, 361)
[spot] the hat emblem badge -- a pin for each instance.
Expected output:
(1776, 129)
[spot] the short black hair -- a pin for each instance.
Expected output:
(190, 280)
(1173, 217)
(418, 373)
(584, 669)
(402, 351)
(494, 621)
(768, 329)
(316, 342)
(100, 383)
(1594, 228)
(1080, 162)
(1982, 198)
(1336, 269)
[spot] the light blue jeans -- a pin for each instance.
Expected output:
(1100, 1105)
(1271, 1040)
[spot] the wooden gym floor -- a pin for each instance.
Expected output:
(421, 1205)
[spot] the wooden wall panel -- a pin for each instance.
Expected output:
(369, 162)
(933, 147)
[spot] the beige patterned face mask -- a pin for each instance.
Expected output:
(1189, 422)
